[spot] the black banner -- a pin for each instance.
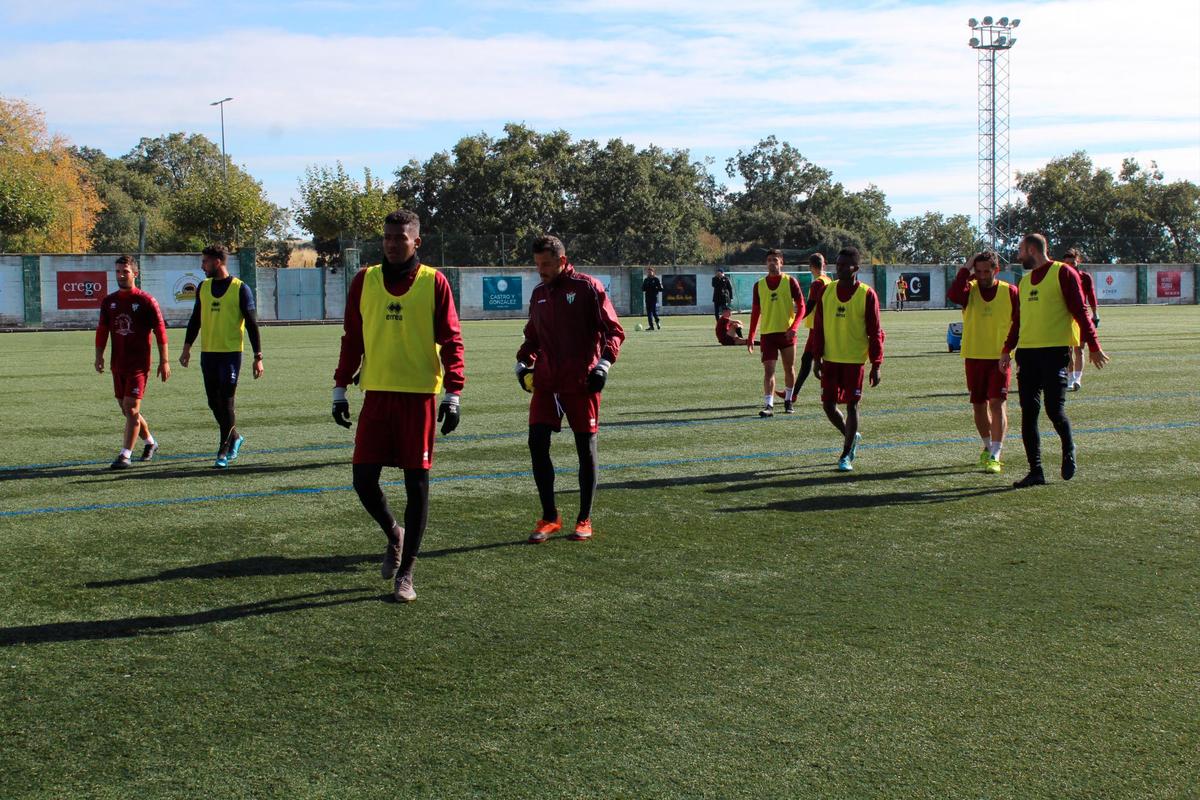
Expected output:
(679, 290)
(918, 285)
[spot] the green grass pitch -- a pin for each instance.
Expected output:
(746, 623)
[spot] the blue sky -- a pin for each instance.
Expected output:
(880, 93)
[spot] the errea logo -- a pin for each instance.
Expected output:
(841, 312)
(394, 312)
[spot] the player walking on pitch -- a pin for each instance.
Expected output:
(816, 266)
(572, 338)
(223, 315)
(778, 305)
(991, 319)
(901, 293)
(1073, 258)
(1052, 321)
(130, 316)
(401, 329)
(651, 289)
(846, 334)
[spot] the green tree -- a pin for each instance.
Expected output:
(129, 197)
(933, 238)
(338, 210)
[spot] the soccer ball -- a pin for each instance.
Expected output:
(639, 326)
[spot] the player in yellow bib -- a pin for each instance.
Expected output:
(846, 334)
(1053, 319)
(816, 266)
(991, 318)
(402, 337)
(776, 309)
(223, 315)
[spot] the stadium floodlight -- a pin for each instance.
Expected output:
(972, 22)
(1004, 20)
(974, 42)
(1015, 23)
(987, 20)
(1001, 40)
(992, 42)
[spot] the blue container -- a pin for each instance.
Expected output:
(954, 337)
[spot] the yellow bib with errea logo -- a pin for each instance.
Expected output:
(810, 315)
(1045, 319)
(845, 325)
(399, 350)
(221, 320)
(776, 308)
(985, 325)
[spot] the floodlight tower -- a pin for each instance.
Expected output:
(992, 39)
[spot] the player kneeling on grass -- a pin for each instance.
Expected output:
(129, 316)
(846, 333)
(572, 339)
(778, 305)
(401, 329)
(991, 320)
(729, 330)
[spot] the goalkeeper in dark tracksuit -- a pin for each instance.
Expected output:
(572, 339)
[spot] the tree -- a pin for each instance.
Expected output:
(129, 197)
(933, 238)
(336, 209)
(46, 203)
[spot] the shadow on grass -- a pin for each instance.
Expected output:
(78, 471)
(239, 468)
(939, 394)
(820, 475)
(842, 502)
(257, 566)
(746, 412)
(743, 407)
(174, 623)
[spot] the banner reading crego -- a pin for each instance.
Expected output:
(918, 285)
(679, 290)
(502, 293)
(81, 289)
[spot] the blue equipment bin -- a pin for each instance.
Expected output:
(954, 337)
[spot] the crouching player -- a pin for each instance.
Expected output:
(846, 334)
(991, 320)
(729, 330)
(402, 328)
(572, 339)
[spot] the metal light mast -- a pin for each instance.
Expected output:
(992, 39)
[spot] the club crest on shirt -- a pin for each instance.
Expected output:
(136, 306)
(570, 297)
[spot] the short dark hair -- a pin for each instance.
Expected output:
(1073, 252)
(218, 251)
(549, 244)
(774, 251)
(987, 255)
(1037, 240)
(404, 217)
(850, 253)
(816, 260)
(127, 259)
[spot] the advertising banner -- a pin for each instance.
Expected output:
(918, 285)
(1116, 285)
(679, 290)
(502, 293)
(1170, 283)
(181, 289)
(79, 289)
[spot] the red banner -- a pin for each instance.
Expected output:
(81, 289)
(1169, 284)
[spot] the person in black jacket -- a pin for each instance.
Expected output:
(652, 287)
(722, 293)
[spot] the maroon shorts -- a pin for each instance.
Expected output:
(129, 384)
(985, 381)
(772, 343)
(727, 340)
(395, 429)
(582, 410)
(841, 383)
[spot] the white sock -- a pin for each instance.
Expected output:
(126, 452)
(788, 394)
(769, 400)
(1079, 376)
(150, 440)
(986, 442)
(994, 449)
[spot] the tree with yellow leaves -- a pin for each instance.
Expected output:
(46, 202)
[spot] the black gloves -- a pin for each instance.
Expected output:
(341, 407)
(598, 376)
(448, 413)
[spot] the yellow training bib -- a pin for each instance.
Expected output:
(810, 314)
(845, 325)
(776, 309)
(985, 325)
(1045, 319)
(221, 320)
(399, 350)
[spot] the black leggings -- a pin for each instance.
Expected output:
(416, 510)
(220, 372)
(543, 470)
(1043, 371)
(806, 361)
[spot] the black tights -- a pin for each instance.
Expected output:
(543, 470)
(1043, 372)
(805, 368)
(416, 510)
(221, 401)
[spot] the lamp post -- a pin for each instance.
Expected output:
(992, 39)
(224, 160)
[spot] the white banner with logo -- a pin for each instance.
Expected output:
(1116, 286)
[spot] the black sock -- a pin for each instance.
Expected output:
(370, 494)
(805, 368)
(416, 514)
(543, 469)
(585, 445)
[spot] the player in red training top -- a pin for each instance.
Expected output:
(729, 330)
(1074, 258)
(130, 315)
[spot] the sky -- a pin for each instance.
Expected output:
(880, 93)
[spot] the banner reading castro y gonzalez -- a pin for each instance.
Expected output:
(502, 293)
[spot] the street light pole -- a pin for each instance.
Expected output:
(224, 160)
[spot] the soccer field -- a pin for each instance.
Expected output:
(747, 622)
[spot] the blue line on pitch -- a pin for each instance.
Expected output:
(672, 462)
(478, 437)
